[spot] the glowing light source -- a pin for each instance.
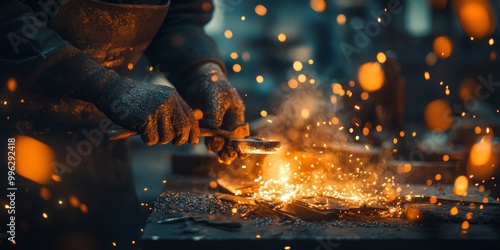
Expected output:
(259, 79)
(260, 10)
(281, 37)
(318, 5)
(442, 46)
(461, 185)
(427, 75)
(341, 19)
(438, 115)
(11, 84)
(236, 68)
(371, 76)
(198, 114)
(297, 66)
(34, 159)
(476, 17)
(228, 34)
(480, 152)
(381, 58)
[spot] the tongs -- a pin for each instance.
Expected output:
(239, 139)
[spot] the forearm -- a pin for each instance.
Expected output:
(182, 45)
(42, 62)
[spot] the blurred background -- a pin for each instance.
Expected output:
(433, 63)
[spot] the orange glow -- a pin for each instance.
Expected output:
(427, 75)
(228, 34)
(282, 37)
(412, 213)
(454, 211)
(469, 215)
(405, 168)
(74, 201)
(341, 19)
(461, 185)
(442, 46)
(483, 159)
(371, 76)
(198, 114)
(130, 66)
(45, 193)
(214, 78)
(381, 58)
(438, 115)
(365, 96)
(297, 66)
(480, 152)
(438, 177)
(84, 208)
(260, 10)
(433, 199)
(234, 55)
(292, 83)
(476, 17)
(236, 68)
(34, 159)
(11, 84)
(318, 5)
(213, 184)
(465, 225)
(467, 88)
(302, 78)
(259, 79)
(206, 6)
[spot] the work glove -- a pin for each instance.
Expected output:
(156, 112)
(210, 92)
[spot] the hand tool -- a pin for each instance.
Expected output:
(239, 139)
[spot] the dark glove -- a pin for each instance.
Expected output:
(222, 107)
(157, 112)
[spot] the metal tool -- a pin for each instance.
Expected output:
(239, 139)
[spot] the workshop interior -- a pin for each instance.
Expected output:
(367, 124)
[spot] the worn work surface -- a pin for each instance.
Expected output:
(435, 228)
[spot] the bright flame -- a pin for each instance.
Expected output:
(34, 159)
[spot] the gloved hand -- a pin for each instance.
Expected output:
(221, 105)
(157, 112)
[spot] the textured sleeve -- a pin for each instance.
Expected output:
(181, 42)
(41, 61)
